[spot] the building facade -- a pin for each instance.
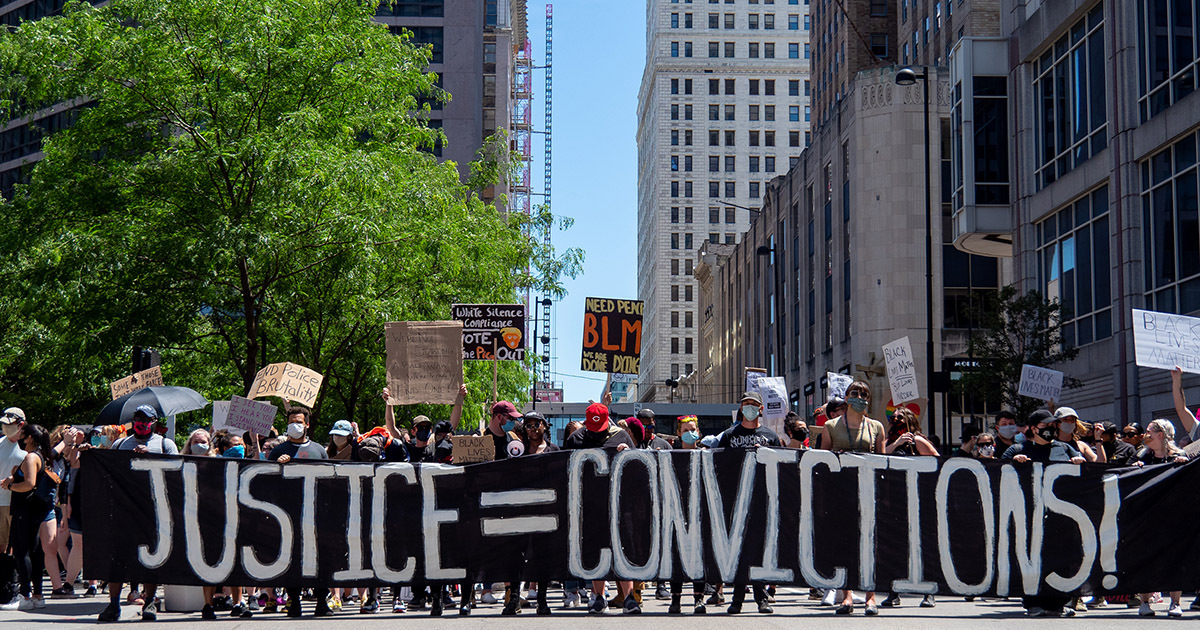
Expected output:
(723, 108)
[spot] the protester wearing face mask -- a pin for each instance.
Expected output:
(198, 443)
(1068, 425)
(689, 435)
(11, 456)
(342, 443)
(985, 447)
(1160, 448)
(1008, 431)
(1115, 451)
(144, 439)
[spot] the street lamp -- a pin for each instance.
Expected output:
(545, 339)
(672, 383)
(906, 77)
(780, 352)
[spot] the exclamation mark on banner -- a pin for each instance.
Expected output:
(1109, 533)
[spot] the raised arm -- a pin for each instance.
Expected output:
(389, 415)
(1185, 416)
(456, 413)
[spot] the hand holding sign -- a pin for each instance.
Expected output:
(287, 381)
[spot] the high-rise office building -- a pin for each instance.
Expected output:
(723, 108)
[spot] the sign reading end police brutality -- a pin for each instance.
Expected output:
(1165, 340)
(828, 520)
(287, 381)
(491, 331)
(612, 335)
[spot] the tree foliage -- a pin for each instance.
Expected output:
(243, 181)
(1017, 329)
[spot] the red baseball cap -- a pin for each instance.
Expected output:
(507, 409)
(597, 418)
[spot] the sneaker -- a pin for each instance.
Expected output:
(91, 591)
(844, 609)
(543, 609)
(815, 594)
(734, 609)
(892, 601)
(830, 596)
(512, 607)
(928, 602)
(253, 605)
(675, 608)
(716, 599)
(399, 606)
(221, 604)
(632, 607)
(488, 598)
(1175, 611)
(237, 610)
(570, 599)
(1067, 612)
(111, 613)
(335, 604)
(150, 611)
(871, 611)
(24, 603)
(764, 608)
(1145, 610)
(464, 611)
(322, 609)
(12, 605)
(1195, 603)
(662, 592)
(271, 606)
(599, 605)
(699, 609)
(38, 602)
(1036, 611)
(370, 605)
(66, 591)
(207, 612)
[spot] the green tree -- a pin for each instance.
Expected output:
(241, 181)
(1017, 329)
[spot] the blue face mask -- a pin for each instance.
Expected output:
(691, 437)
(510, 425)
(235, 452)
(97, 440)
(262, 456)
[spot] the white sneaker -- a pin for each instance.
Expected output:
(25, 603)
(1175, 611)
(830, 595)
(1145, 610)
(488, 598)
(16, 601)
(858, 598)
(39, 602)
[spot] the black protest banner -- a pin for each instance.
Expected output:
(906, 524)
(491, 331)
(612, 335)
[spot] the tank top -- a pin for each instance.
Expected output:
(860, 440)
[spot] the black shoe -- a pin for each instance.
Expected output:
(699, 609)
(207, 612)
(323, 609)
(416, 603)
(436, 607)
(662, 592)
(111, 613)
(369, 605)
(675, 608)
(734, 609)
(512, 607)
(465, 611)
(293, 608)
(892, 601)
(632, 607)
(237, 610)
(543, 609)
(221, 604)
(844, 609)
(150, 610)
(764, 608)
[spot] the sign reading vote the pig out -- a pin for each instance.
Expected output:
(491, 331)
(612, 335)
(287, 381)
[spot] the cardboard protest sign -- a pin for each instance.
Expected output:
(469, 449)
(146, 378)
(1164, 340)
(491, 331)
(220, 414)
(1040, 383)
(838, 383)
(424, 361)
(902, 371)
(250, 415)
(612, 335)
(287, 381)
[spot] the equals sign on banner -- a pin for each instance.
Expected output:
(510, 526)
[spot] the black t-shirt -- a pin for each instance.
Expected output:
(739, 436)
(1053, 452)
(1119, 452)
(395, 451)
(418, 454)
(501, 443)
(609, 438)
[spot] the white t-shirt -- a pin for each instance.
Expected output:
(11, 456)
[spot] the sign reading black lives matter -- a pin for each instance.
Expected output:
(491, 331)
(781, 516)
(612, 335)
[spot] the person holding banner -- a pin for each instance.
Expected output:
(1068, 432)
(144, 439)
(1191, 425)
(857, 433)
(198, 444)
(1160, 448)
(905, 440)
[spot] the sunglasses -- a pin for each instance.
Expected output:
(1130, 434)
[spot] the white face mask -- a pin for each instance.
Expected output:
(295, 430)
(200, 447)
(750, 412)
(340, 440)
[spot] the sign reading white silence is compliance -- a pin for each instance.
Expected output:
(1164, 340)
(491, 331)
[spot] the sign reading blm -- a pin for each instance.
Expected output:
(491, 331)
(612, 335)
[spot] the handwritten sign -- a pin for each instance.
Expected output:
(220, 414)
(469, 449)
(424, 361)
(146, 378)
(488, 326)
(838, 384)
(1164, 340)
(1040, 383)
(775, 402)
(287, 381)
(902, 371)
(250, 415)
(753, 376)
(612, 335)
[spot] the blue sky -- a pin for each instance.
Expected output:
(599, 54)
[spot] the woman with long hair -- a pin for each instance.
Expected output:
(199, 443)
(905, 439)
(1160, 448)
(34, 487)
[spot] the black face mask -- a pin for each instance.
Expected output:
(799, 436)
(1048, 432)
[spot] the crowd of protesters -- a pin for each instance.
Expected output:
(41, 517)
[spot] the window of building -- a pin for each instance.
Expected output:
(674, 111)
(769, 50)
(687, 345)
(752, 50)
(714, 86)
(754, 163)
(730, 190)
(674, 314)
(687, 241)
(687, 212)
(674, 20)
(687, 138)
(730, 238)
(687, 270)
(1069, 89)
(754, 138)
(675, 343)
(729, 21)
(730, 112)
(688, 319)
(793, 22)
(674, 137)
(714, 189)
(674, 86)
(879, 8)
(687, 20)
(793, 138)
(769, 113)
(754, 190)
(687, 112)
(879, 45)
(674, 293)
(714, 163)
(730, 136)
(1074, 267)
(729, 50)
(674, 214)
(714, 238)
(769, 21)
(1172, 228)
(793, 50)
(687, 49)
(714, 137)
(793, 113)
(714, 50)
(730, 215)
(752, 21)
(730, 87)
(1168, 52)
(687, 168)
(714, 20)
(687, 188)
(793, 87)
(687, 86)
(714, 215)
(753, 83)
(753, 113)
(687, 293)
(730, 163)
(674, 164)
(769, 164)
(674, 240)
(769, 138)
(714, 112)
(769, 87)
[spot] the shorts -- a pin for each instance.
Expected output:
(5, 522)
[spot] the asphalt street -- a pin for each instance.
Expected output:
(792, 608)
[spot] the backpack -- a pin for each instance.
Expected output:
(371, 445)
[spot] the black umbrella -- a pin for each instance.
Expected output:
(168, 401)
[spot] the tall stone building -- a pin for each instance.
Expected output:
(723, 108)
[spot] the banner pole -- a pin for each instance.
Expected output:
(495, 372)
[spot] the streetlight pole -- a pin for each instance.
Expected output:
(906, 77)
(781, 351)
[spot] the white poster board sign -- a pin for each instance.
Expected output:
(775, 402)
(1041, 383)
(220, 413)
(838, 384)
(251, 415)
(902, 371)
(1165, 340)
(753, 375)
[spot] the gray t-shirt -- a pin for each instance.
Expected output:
(154, 444)
(306, 450)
